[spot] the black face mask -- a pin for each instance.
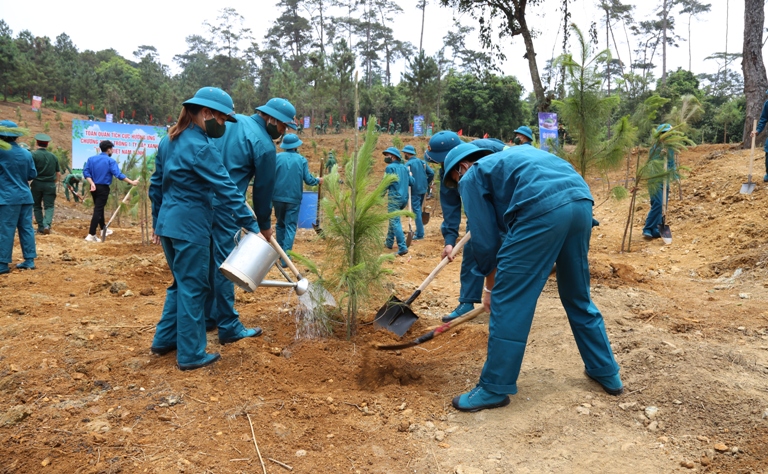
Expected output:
(387, 159)
(273, 132)
(214, 129)
(517, 141)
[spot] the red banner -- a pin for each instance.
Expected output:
(460, 132)
(330, 120)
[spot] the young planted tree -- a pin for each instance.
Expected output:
(585, 111)
(653, 173)
(354, 227)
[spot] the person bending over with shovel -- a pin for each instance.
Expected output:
(98, 171)
(398, 198)
(528, 210)
(450, 201)
(188, 173)
(248, 151)
(71, 182)
(292, 169)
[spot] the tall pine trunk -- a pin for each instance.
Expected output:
(752, 66)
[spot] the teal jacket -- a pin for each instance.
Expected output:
(16, 170)
(418, 169)
(763, 121)
(517, 184)
(292, 169)
(249, 153)
(188, 172)
(398, 191)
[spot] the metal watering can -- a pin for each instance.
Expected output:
(250, 262)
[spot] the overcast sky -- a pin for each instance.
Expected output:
(124, 26)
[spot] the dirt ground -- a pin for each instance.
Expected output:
(81, 393)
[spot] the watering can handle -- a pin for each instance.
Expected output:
(285, 258)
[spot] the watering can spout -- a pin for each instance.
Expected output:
(300, 287)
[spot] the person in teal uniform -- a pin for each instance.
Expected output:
(528, 210)
(292, 170)
(330, 163)
(248, 151)
(422, 174)
(397, 193)
(656, 186)
(44, 185)
(188, 173)
(71, 182)
(523, 136)
(17, 169)
(471, 289)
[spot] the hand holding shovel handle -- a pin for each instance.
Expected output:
(435, 332)
(445, 261)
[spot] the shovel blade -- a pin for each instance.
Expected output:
(747, 188)
(104, 234)
(409, 238)
(317, 228)
(395, 317)
(666, 233)
(425, 218)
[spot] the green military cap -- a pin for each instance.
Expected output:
(42, 137)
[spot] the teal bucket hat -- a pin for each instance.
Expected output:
(409, 149)
(525, 131)
(393, 151)
(457, 154)
(215, 99)
(291, 142)
(9, 124)
(664, 127)
(440, 144)
(281, 110)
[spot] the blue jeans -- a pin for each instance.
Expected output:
(395, 231)
(15, 217)
(524, 262)
(287, 216)
(183, 319)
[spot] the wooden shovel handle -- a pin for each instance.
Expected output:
(752, 151)
(444, 262)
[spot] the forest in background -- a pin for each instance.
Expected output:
(312, 50)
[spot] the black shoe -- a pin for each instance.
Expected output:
(162, 350)
(47, 230)
(610, 391)
(209, 359)
(404, 252)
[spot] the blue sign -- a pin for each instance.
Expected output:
(547, 129)
(306, 122)
(86, 136)
(359, 122)
(418, 125)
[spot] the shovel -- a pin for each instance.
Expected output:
(114, 214)
(424, 214)
(396, 315)
(75, 193)
(316, 225)
(664, 230)
(749, 186)
(435, 332)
